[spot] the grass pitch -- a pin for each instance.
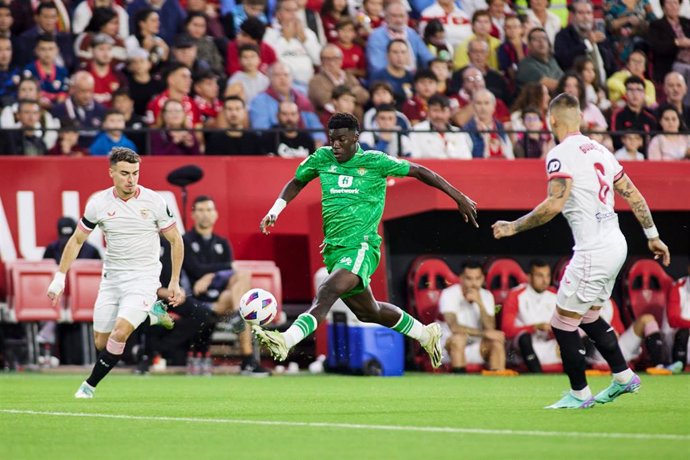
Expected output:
(418, 416)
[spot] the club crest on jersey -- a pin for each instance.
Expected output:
(553, 166)
(361, 171)
(144, 213)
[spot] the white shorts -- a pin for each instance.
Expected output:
(473, 354)
(630, 344)
(127, 295)
(590, 276)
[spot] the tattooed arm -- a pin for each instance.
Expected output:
(559, 191)
(626, 189)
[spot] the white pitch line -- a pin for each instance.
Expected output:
(358, 426)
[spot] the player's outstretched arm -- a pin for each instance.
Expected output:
(289, 192)
(71, 251)
(558, 193)
(175, 294)
(625, 188)
(466, 206)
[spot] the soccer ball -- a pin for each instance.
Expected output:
(258, 306)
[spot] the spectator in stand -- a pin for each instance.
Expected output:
(312, 19)
(9, 74)
(342, 100)
(111, 135)
(628, 23)
(382, 93)
(584, 67)
(436, 137)
(581, 38)
(396, 28)
(243, 11)
(185, 52)
(146, 26)
(594, 124)
(512, 50)
(235, 140)
(24, 140)
(455, 21)
(251, 33)
(473, 80)
(532, 95)
(171, 16)
(263, 111)
(425, 85)
(82, 107)
(332, 12)
(435, 39)
(287, 141)
(440, 68)
(539, 65)
(534, 142)
(469, 324)
(632, 141)
(527, 319)
(85, 10)
(481, 33)
(106, 77)
(296, 46)
(251, 81)
(68, 141)
(206, 93)
(493, 80)
(672, 145)
(196, 28)
(499, 12)
(331, 76)
(637, 65)
(678, 314)
(178, 80)
(52, 77)
(104, 21)
(489, 139)
(210, 9)
(389, 139)
(676, 90)
(173, 136)
(123, 103)
(669, 38)
(540, 17)
(395, 72)
(634, 116)
(142, 85)
(28, 89)
(6, 22)
(46, 23)
(369, 18)
(354, 59)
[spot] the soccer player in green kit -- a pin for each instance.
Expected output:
(353, 194)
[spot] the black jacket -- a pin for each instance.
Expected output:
(203, 256)
(661, 40)
(569, 45)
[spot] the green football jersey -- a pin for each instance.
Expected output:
(353, 193)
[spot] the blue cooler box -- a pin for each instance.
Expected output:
(363, 348)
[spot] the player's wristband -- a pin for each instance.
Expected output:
(58, 283)
(59, 277)
(651, 232)
(277, 208)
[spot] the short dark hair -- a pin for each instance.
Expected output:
(397, 40)
(206, 74)
(172, 68)
(45, 6)
(234, 97)
(110, 112)
(537, 263)
(248, 47)
(471, 264)
(201, 199)
(118, 154)
(340, 91)
(564, 100)
(347, 21)
(121, 91)
(22, 102)
(343, 120)
(381, 84)
(254, 28)
(4, 6)
(386, 108)
(439, 99)
(425, 74)
(46, 37)
(634, 79)
(195, 14)
(479, 13)
(535, 30)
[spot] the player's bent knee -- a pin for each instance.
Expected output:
(646, 319)
(458, 341)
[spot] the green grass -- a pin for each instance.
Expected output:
(195, 406)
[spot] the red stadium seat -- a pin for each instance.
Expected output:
(647, 286)
(27, 288)
(502, 275)
(265, 275)
(427, 277)
(84, 278)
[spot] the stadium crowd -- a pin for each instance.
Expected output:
(427, 79)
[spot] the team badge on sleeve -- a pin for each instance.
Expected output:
(553, 166)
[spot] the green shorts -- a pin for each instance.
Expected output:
(362, 261)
